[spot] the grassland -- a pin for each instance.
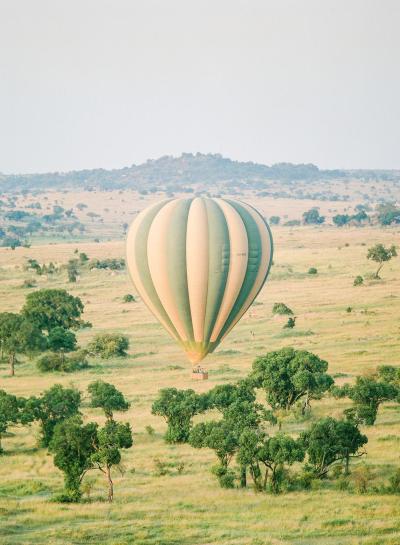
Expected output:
(189, 508)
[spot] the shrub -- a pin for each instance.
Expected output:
(312, 270)
(281, 309)
(29, 284)
(395, 482)
(109, 345)
(362, 476)
(358, 280)
(290, 324)
(129, 298)
(225, 476)
(60, 362)
(274, 220)
(150, 430)
(112, 264)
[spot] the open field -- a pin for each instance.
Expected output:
(190, 508)
(103, 213)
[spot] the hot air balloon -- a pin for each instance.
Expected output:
(198, 264)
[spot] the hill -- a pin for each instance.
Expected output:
(187, 170)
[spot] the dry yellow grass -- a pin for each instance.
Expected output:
(190, 508)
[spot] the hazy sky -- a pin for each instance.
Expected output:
(108, 83)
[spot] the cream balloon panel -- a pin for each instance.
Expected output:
(198, 264)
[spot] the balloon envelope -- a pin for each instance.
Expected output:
(198, 264)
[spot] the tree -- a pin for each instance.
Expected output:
(10, 407)
(61, 340)
(110, 439)
(341, 219)
(73, 445)
(291, 323)
(218, 436)
(389, 374)
(83, 258)
(388, 213)
(256, 448)
(381, 255)
(52, 407)
(50, 308)
(223, 396)
(107, 397)
(367, 394)
(18, 336)
(274, 220)
(239, 416)
(178, 408)
(290, 375)
(329, 441)
(282, 309)
(72, 270)
(312, 217)
(109, 345)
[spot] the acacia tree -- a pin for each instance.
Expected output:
(380, 254)
(10, 412)
(51, 408)
(113, 437)
(61, 340)
(223, 436)
(223, 395)
(367, 394)
(329, 441)
(107, 397)
(290, 375)
(18, 336)
(73, 444)
(223, 440)
(50, 308)
(390, 375)
(257, 449)
(178, 407)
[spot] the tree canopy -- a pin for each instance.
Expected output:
(290, 375)
(50, 308)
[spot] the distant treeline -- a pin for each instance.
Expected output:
(186, 170)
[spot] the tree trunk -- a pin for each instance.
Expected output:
(378, 271)
(110, 485)
(243, 478)
(346, 469)
(12, 364)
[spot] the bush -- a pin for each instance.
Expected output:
(358, 280)
(226, 477)
(395, 482)
(112, 264)
(29, 284)
(274, 220)
(312, 270)
(290, 324)
(129, 298)
(362, 476)
(150, 430)
(60, 362)
(109, 345)
(281, 309)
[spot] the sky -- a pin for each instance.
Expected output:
(109, 83)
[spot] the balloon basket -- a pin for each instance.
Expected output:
(199, 373)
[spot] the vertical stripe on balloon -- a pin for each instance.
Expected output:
(197, 257)
(237, 264)
(136, 255)
(157, 252)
